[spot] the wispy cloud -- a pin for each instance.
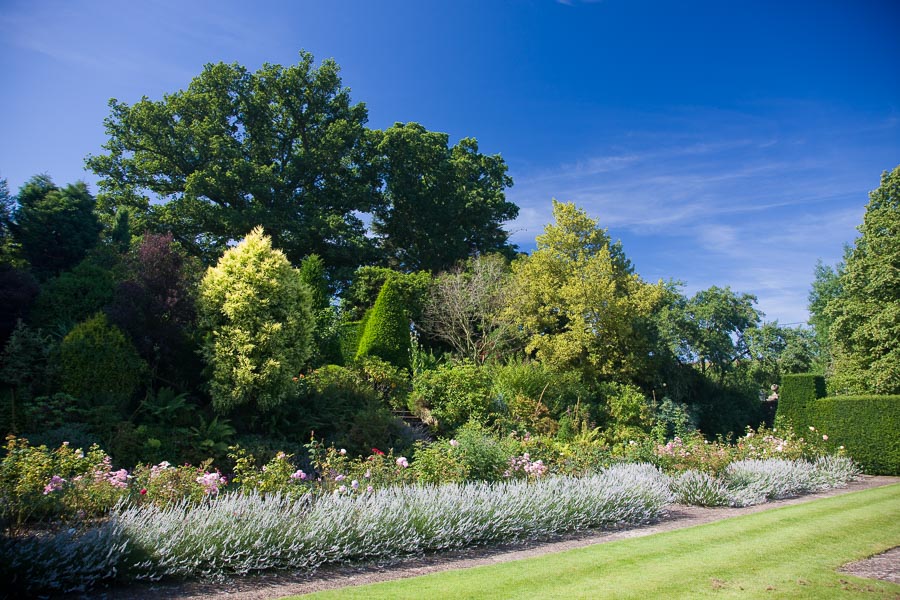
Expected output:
(56, 30)
(752, 213)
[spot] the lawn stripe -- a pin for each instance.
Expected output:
(793, 550)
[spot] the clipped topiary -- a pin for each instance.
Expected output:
(386, 334)
(98, 363)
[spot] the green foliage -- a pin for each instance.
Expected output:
(718, 318)
(866, 426)
(349, 335)
(7, 209)
(826, 286)
(66, 483)
(358, 297)
(723, 408)
(165, 485)
(55, 227)
(775, 350)
(255, 317)
(628, 413)
(443, 204)
(99, 365)
(440, 462)
(452, 395)
(155, 307)
(483, 456)
(558, 390)
(327, 332)
(375, 426)
(361, 294)
(333, 397)
(797, 396)
(387, 329)
(212, 438)
(391, 383)
(73, 296)
(18, 289)
(578, 301)
(477, 454)
(312, 272)
(282, 148)
(865, 314)
(23, 369)
(165, 419)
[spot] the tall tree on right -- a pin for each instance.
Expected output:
(865, 315)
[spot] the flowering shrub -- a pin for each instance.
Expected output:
(693, 452)
(66, 483)
(523, 466)
(164, 484)
(440, 462)
(279, 475)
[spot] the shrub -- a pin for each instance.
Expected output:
(98, 363)
(336, 394)
(558, 390)
(247, 533)
(386, 334)
(755, 481)
(798, 393)
(256, 318)
(697, 488)
(66, 483)
(485, 457)
(67, 561)
(453, 394)
(73, 297)
(349, 334)
(440, 462)
(628, 412)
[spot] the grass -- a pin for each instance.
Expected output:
(789, 552)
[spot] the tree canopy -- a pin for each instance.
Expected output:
(54, 227)
(578, 300)
(286, 149)
(282, 147)
(865, 313)
(443, 204)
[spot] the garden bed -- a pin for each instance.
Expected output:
(281, 584)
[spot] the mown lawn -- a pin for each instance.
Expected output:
(789, 552)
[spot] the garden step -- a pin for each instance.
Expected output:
(419, 428)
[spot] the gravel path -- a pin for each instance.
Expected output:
(265, 587)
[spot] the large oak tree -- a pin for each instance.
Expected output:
(282, 148)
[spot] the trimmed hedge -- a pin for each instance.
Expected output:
(797, 395)
(349, 334)
(386, 334)
(867, 426)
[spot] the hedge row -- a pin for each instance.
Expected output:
(867, 426)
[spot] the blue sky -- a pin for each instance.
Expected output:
(725, 143)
